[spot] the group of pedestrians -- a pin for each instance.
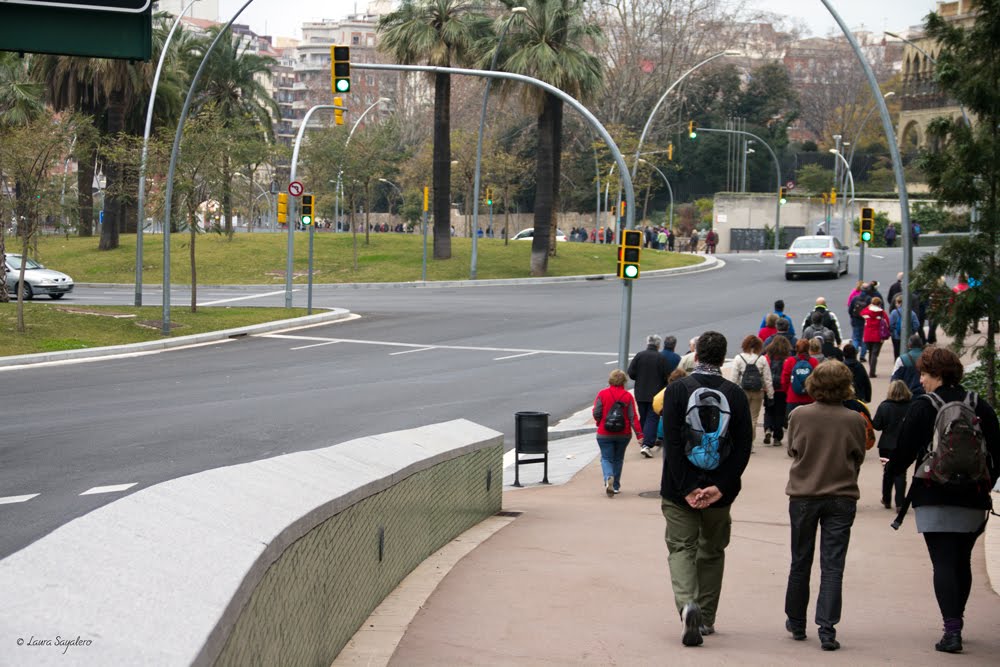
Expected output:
(808, 389)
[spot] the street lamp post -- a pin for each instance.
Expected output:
(670, 218)
(850, 178)
(479, 142)
(141, 202)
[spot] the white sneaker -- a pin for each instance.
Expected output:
(646, 451)
(609, 486)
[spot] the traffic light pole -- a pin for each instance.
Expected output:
(777, 171)
(626, 311)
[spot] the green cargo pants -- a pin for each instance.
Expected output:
(696, 541)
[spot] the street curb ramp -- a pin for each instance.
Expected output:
(277, 561)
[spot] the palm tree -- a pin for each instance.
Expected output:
(21, 98)
(232, 85)
(440, 33)
(553, 43)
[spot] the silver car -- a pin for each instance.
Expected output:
(816, 254)
(37, 279)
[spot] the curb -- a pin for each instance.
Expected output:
(167, 343)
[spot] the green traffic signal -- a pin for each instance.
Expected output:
(866, 236)
(631, 271)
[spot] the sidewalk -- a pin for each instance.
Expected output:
(581, 579)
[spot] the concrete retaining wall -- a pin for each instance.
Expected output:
(269, 562)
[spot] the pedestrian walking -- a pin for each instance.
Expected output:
(616, 417)
(862, 385)
(711, 240)
(687, 362)
(694, 241)
(950, 491)
(779, 310)
(782, 325)
(774, 412)
(876, 331)
(890, 236)
(829, 319)
(770, 327)
(889, 419)
(752, 373)
(858, 303)
(827, 445)
(794, 374)
(896, 324)
(668, 353)
(671, 239)
(649, 371)
(707, 434)
(906, 366)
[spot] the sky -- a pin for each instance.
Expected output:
(285, 17)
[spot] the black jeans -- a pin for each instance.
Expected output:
(774, 416)
(889, 482)
(645, 408)
(834, 515)
(951, 556)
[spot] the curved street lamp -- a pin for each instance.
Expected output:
(669, 189)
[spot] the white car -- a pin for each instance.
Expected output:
(529, 233)
(37, 279)
(816, 254)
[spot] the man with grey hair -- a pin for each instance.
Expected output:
(830, 320)
(649, 371)
(686, 363)
(669, 343)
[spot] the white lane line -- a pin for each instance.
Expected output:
(468, 348)
(515, 356)
(749, 259)
(244, 298)
(306, 347)
(610, 363)
(878, 256)
(419, 349)
(114, 488)
(10, 500)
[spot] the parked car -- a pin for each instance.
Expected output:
(816, 254)
(529, 233)
(37, 279)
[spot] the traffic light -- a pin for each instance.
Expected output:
(693, 129)
(628, 254)
(489, 196)
(670, 151)
(338, 114)
(867, 224)
(341, 70)
(783, 195)
(283, 208)
(307, 210)
(833, 196)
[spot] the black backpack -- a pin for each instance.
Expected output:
(752, 379)
(615, 421)
(777, 365)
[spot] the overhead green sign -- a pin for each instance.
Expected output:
(90, 28)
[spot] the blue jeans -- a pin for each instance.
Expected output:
(857, 337)
(612, 456)
(834, 516)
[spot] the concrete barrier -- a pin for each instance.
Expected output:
(270, 562)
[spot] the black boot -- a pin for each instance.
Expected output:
(951, 642)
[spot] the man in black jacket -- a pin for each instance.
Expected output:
(830, 320)
(695, 501)
(649, 371)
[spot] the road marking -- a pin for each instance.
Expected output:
(306, 347)
(114, 488)
(878, 256)
(749, 259)
(423, 346)
(610, 363)
(10, 500)
(244, 298)
(419, 349)
(515, 356)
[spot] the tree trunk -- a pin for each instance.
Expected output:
(112, 203)
(556, 171)
(442, 166)
(544, 188)
(368, 208)
(227, 196)
(193, 230)
(85, 192)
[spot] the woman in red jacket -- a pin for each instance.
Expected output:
(876, 331)
(794, 379)
(614, 442)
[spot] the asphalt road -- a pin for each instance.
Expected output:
(414, 356)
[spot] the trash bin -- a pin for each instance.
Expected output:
(531, 436)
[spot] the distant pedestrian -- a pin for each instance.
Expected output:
(896, 324)
(794, 374)
(830, 320)
(779, 310)
(673, 359)
(895, 288)
(661, 240)
(649, 371)
(671, 237)
(827, 445)
(950, 513)
(687, 362)
(774, 412)
(906, 366)
(862, 297)
(770, 327)
(753, 375)
(611, 441)
(711, 240)
(693, 242)
(782, 326)
(700, 482)
(915, 233)
(890, 236)
(876, 331)
(862, 385)
(889, 419)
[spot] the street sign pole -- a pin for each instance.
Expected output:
(423, 267)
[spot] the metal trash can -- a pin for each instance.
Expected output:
(531, 436)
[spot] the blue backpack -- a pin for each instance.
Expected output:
(706, 427)
(800, 371)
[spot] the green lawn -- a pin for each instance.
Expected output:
(52, 325)
(259, 259)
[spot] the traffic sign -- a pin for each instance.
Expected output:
(790, 185)
(295, 189)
